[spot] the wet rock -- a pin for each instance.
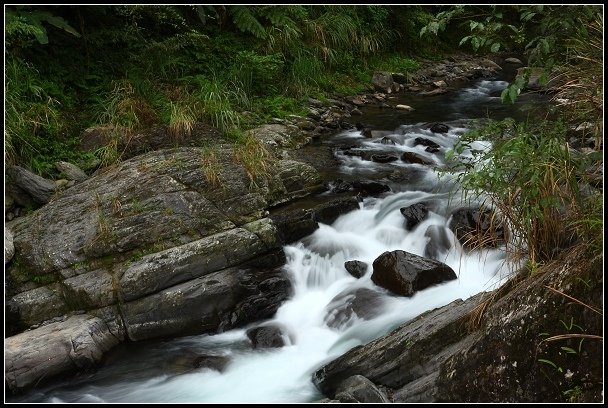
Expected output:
(29, 189)
(387, 140)
(294, 225)
(339, 186)
(36, 356)
(370, 188)
(216, 363)
(477, 227)
(356, 111)
(439, 241)
(405, 273)
(383, 158)
(361, 303)
(411, 157)
(223, 300)
(363, 154)
(414, 214)
(327, 213)
(71, 171)
(361, 126)
(432, 147)
(266, 337)
(359, 389)
(439, 128)
(404, 355)
(356, 268)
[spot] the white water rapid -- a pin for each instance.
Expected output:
(317, 326)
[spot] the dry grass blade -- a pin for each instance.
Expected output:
(574, 300)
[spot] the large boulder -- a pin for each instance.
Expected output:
(511, 357)
(349, 305)
(71, 171)
(414, 214)
(412, 351)
(356, 268)
(382, 81)
(439, 241)
(39, 355)
(411, 157)
(266, 336)
(405, 273)
(29, 189)
(359, 389)
(295, 223)
(133, 233)
(214, 303)
(152, 202)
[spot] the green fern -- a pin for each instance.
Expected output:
(247, 22)
(21, 21)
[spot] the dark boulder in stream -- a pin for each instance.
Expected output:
(405, 273)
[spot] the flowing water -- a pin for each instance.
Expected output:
(330, 311)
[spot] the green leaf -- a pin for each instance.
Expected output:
(568, 350)
(474, 24)
(551, 363)
(41, 36)
(475, 42)
(545, 45)
(495, 47)
(58, 22)
(527, 15)
(465, 39)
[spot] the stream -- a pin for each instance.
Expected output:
(330, 311)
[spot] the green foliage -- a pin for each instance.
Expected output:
(395, 63)
(257, 74)
(246, 21)
(279, 107)
(21, 23)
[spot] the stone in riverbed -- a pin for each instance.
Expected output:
(405, 273)
(356, 268)
(57, 348)
(269, 336)
(359, 389)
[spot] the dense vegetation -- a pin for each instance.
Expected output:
(130, 67)
(71, 67)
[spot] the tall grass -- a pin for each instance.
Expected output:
(532, 177)
(581, 92)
